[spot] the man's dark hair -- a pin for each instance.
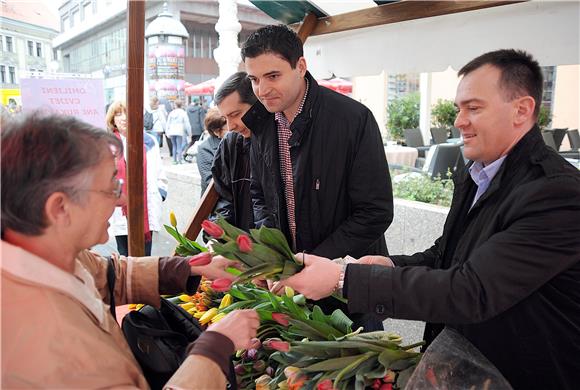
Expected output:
(274, 39)
(42, 155)
(240, 83)
(521, 75)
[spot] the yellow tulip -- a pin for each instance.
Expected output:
(172, 219)
(226, 301)
(211, 313)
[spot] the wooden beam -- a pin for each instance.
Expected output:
(204, 208)
(307, 26)
(135, 72)
(397, 12)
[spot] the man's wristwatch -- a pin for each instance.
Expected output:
(340, 284)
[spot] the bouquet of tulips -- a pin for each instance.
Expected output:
(265, 251)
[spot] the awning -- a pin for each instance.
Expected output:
(417, 43)
(204, 88)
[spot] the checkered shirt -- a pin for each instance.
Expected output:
(284, 134)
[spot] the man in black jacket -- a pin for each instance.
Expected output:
(231, 167)
(506, 271)
(319, 171)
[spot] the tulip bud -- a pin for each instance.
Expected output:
(244, 243)
(386, 386)
(259, 366)
(240, 369)
(203, 258)
(325, 385)
(221, 284)
(270, 371)
(276, 344)
(212, 229)
(281, 318)
(172, 219)
(252, 354)
(289, 291)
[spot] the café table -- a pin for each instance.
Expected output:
(401, 155)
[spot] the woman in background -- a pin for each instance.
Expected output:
(178, 129)
(215, 124)
(154, 183)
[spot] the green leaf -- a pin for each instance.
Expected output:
(230, 230)
(236, 306)
(275, 302)
(334, 364)
(267, 254)
(350, 369)
(258, 270)
(318, 315)
(275, 239)
(237, 293)
(341, 321)
(388, 356)
(296, 311)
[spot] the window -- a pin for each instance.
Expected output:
(2, 74)
(12, 74)
(75, 18)
(9, 44)
(1, 43)
(87, 10)
(30, 48)
(64, 23)
(38, 49)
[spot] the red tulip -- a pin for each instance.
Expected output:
(203, 258)
(276, 344)
(221, 285)
(212, 229)
(281, 318)
(244, 243)
(386, 386)
(325, 385)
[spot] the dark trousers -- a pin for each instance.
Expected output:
(169, 146)
(123, 245)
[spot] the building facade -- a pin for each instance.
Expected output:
(93, 38)
(26, 35)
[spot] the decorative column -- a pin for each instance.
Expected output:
(166, 42)
(227, 54)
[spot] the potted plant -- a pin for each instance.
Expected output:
(403, 113)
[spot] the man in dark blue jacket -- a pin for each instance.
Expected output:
(231, 166)
(505, 273)
(319, 171)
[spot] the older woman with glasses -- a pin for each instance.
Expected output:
(154, 182)
(59, 188)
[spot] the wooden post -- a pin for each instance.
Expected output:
(135, 73)
(307, 26)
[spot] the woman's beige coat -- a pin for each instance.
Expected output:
(58, 333)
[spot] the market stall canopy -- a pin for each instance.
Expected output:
(204, 88)
(337, 84)
(208, 87)
(429, 36)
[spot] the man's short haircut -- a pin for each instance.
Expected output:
(521, 74)
(214, 121)
(240, 83)
(42, 155)
(274, 39)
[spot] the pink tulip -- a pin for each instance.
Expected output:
(244, 243)
(203, 258)
(325, 385)
(281, 318)
(221, 285)
(276, 344)
(212, 229)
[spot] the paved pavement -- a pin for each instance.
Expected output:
(183, 194)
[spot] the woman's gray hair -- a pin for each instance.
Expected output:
(44, 154)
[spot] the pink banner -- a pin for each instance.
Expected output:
(81, 98)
